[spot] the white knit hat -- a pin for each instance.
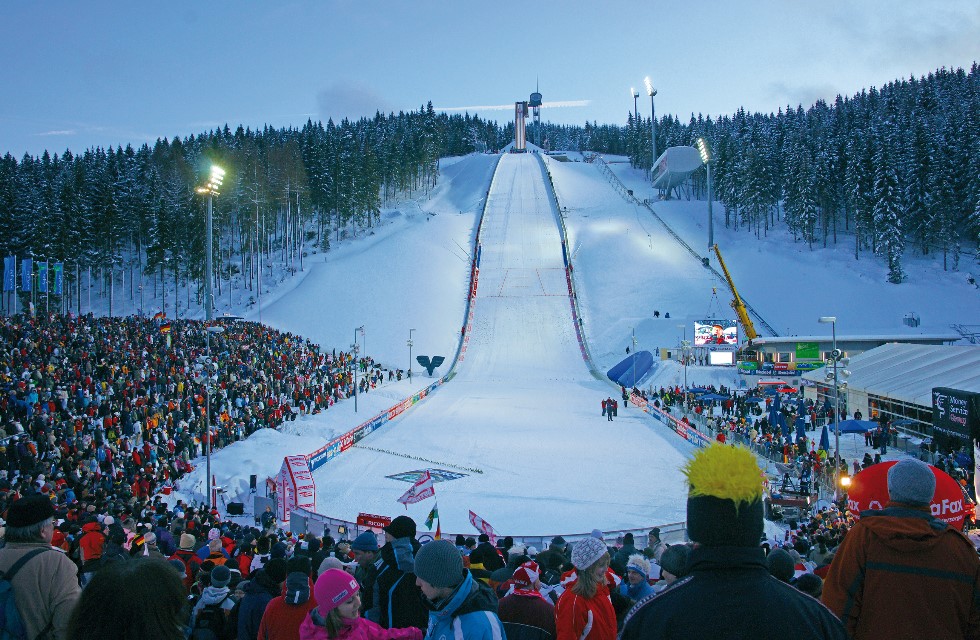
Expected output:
(587, 552)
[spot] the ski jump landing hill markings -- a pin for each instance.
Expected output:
(294, 483)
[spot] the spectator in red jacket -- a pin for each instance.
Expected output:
(524, 606)
(285, 613)
(584, 610)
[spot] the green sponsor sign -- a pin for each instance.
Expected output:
(807, 350)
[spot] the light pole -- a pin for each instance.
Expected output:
(361, 329)
(211, 189)
(706, 159)
(835, 355)
(410, 343)
(684, 349)
(208, 373)
(636, 112)
(653, 123)
(633, 330)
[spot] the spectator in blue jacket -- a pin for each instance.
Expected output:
(454, 597)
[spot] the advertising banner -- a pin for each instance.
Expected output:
(956, 412)
(10, 273)
(807, 350)
(296, 486)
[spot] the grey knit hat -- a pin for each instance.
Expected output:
(587, 552)
(440, 564)
(911, 482)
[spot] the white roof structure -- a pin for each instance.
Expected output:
(674, 166)
(909, 372)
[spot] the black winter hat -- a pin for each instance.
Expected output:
(724, 503)
(28, 511)
(401, 527)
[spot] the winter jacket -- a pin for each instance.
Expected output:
(282, 620)
(578, 618)
(635, 593)
(730, 594)
(532, 611)
(397, 599)
(900, 573)
(358, 629)
(258, 594)
(45, 587)
(192, 565)
(469, 613)
(213, 595)
(90, 543)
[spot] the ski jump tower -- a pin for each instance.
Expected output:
(520, 121)
(520, 134)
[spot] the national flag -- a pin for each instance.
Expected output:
(419, 491)
(433, 516)
(165, 327)
(483, 527)
(160, 315)
(438, 530)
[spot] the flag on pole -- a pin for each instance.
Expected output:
(26, 274)
(419, 491)
(433, 516)
(483, 527)
(10, 273)
(58, 268)
(42, 277)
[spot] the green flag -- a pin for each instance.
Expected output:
(432, 517)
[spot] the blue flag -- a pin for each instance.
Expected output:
(42, 277)
(58, 268)
(26, 274)
(10, 273)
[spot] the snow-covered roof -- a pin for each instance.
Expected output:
(909, 372)
(910, 337)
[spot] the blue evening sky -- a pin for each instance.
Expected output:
(79, 74)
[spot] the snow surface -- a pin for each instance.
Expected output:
(521, 417)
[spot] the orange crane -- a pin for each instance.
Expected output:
(737, 304)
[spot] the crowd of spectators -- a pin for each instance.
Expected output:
(93, 407)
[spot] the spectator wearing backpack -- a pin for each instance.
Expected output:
(192, 563)
(44, 583)
(210, 616)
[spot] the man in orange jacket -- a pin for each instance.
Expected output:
(900, 573)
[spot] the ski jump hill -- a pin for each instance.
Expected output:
(514, 431)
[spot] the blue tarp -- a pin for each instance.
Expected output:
(856, 426)
(712, 396)
(632, 369)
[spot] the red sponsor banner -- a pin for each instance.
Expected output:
(298, 488)
(869, 492)
(371, 520)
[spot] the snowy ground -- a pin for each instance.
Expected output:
(524, 408)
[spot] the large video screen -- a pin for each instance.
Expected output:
(709, 332)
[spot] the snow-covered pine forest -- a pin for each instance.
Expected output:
(884, 171)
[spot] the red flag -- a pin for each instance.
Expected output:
(419, 491)
(483, 527)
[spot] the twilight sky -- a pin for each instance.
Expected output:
(96, 73)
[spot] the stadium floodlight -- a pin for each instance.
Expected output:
(653, 124)
(217, 176)
(636, 112)
(706, 159)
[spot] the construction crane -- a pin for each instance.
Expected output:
(737, 304)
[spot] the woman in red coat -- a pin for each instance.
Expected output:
(584, 610)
